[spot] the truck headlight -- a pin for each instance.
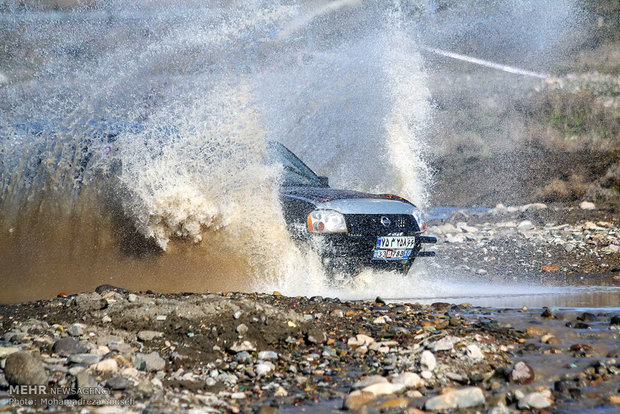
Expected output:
(417, 215)
(326, 221)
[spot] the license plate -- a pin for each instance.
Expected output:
(395, 242)
(391, 254)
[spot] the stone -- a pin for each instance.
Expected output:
(384, 388)
(242, 329)
(464, 398)
(107, 366)
(474, 352)
(535, 331)
(149, 362)
(132, 298)
(243, 357)
(117, 383)
(263, 368)
(85, 382)
(615, 320)
(357, 399)
(243, 346)
(130, 372)
(149, 335)
(280, 392)
(267, 355)
(7, 350)
(316, 336)
(394, 403)
(587, 205)
(521, 374)
(68, 346)
(121, 347)
(106, 319)
(21, 368)
(536, 400)
(360, 340)
(87, 359)
(525, 225)
(465, 228)
(445, 344)
(237, 395)
(371, 380)
(268, 410)
(428, 361)
(77, 329)
(409, 380)
(145, 387)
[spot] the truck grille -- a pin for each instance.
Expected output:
(370, 224)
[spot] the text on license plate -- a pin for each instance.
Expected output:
(391, 254)
(395, 242)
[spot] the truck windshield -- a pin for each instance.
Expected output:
(295, 173)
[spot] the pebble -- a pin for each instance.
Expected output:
(21, 368)
(117, 383)
(464, 398)
(242, 329)
(149, 335)
(77, 329)
(384, 388)
(428, 361)
(371, 380)
(263, 368)
(536, 400)
(243, 346)
(521, 374)
(357, 399)
(132, 298)
(107, 366)
(525, 225)
(267, 355)
(316, 336)
(587, 205)
(445, 344)
(409, 380)
(426, 375)
(474, 352)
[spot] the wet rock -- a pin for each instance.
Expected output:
(428, 361)
(149, 335)
(547, 314)
(87, 359)
(536, 400)
(581, 325)
(394, 403)
(357, 399)
(615, 320)
(464, 398)
(117, 383)
(268, 410)
(68, 346)
(149, 362)
(521, 374)
(535, 331)
(409, 380)
(267, 355)
(21, 368)
(316, 336)
(587, 317)
(373, 379)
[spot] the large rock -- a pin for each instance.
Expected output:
(150, 362)
(384, 388)
(357, 399)
(21, 368)
(68, 346)
(465, 398)
(536, 400)
(371, 380)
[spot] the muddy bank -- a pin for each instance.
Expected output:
(270, 353)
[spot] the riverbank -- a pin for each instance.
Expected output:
(269, 353)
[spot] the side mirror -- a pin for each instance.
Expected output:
(324, 181)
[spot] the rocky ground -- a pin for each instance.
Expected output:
(552, 244)
(114, 351)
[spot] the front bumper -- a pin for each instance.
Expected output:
(361, 247)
